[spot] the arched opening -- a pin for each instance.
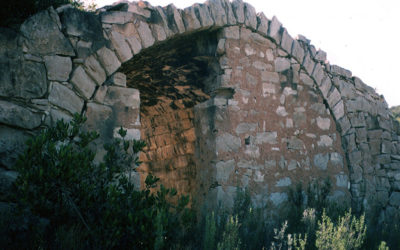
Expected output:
(171, 78)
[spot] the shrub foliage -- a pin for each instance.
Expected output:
(83, 204)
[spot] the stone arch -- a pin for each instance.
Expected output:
(74, 58)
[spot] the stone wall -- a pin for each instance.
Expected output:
(268, 109)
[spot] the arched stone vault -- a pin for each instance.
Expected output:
(64, 61)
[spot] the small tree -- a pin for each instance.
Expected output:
(349, 233)
(94, 205)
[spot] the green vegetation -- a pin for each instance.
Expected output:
(65, 200)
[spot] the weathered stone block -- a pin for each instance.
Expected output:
(308, 64)
(125, 97)
(357, 120)
(246, 127)
(334, 97)
(338, 110)
(227, 143)
(65, 98)
(282, 64)
(321, 161)
(281, 111)
(250, 16)
(340, 71)
(58, 68)
(145, 34)
(119, 79)
(297, 51)
(274, 30)
(204, 15)
(278, 198)
(323, 123)
(266, 137)
(336, 159)
(108, 60)
(263, 24)
(284, 182)
(321, 56)
(342, 180)
(224, 169)
(94, 69)
(238, 10)
(190, 19)
(318, 73)
(83, 83)
(43, 35)
(18, 116)
(287, 41)
(217, 12)
(325, 141)
(19, 78)
(121, 46)
(116, 17)
(295, 143)
(271, 77)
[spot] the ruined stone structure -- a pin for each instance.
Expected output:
(223, 96)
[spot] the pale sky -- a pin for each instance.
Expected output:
(360, 35)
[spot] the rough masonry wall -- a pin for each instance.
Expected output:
(64, 61)
(279, 133)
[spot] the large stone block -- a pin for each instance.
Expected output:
(227, 143)
(287, 41)
(297, 51)
(83, 83)
(116, 17)
(266, 137)
(190, 19)
(224, 169)
(86, 26)
(246, 128)
(65, 98)
(24, 79)
(125, 97)
(278, 198)
(321, 161)
(274, 30)
(108, 60)
(18, 116)
(217, 12)
(282, 64)
(58, 68)
(250, 16)
(238, 10)
(263, 24)
(43, 36)
(120, 45)
(95, 70)
(284, 182)
(145, 34)
(204, 15)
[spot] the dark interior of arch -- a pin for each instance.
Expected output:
(172, 79)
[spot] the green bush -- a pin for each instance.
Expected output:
(85, 205)
(348, 233)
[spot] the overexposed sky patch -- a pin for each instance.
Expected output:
(359, 35)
